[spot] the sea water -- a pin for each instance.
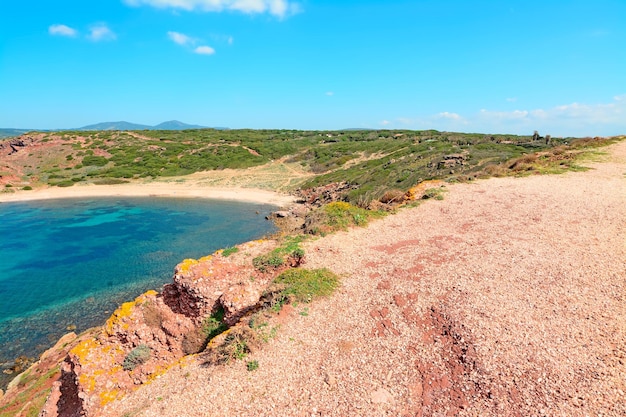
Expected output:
(68, 263)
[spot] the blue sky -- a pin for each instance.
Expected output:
(474, 66)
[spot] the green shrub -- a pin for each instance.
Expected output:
(66, 183)
(229, 251)
(92, 160)
(268, 261)
(110, 181)
(338, 215)
(27, 188)
(214, 324)
(137, 356)
(304, 285)
(252, 365)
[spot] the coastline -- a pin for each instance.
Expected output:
(152, 189)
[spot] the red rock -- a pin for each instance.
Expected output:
(94, 372)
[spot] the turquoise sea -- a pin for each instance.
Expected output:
(66, 263)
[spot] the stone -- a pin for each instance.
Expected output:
(382, 396)
(330, 380)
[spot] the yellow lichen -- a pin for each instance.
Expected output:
(125, 310)
(87, 382)
(109, 396)
(181, 363)
(82, 350)
(185, 265)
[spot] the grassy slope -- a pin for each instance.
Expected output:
(373, 161)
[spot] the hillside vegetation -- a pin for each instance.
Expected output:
(373, 163)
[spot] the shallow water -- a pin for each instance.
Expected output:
(66, 263)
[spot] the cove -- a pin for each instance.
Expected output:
(69, 262)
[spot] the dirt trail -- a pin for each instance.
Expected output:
(506, 298)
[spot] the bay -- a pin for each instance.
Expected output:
(66, 263)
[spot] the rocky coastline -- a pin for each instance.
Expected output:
(88, 371)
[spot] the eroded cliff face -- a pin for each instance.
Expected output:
(144, 337)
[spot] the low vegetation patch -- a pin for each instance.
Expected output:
(34, 396)
(338, 215)
(110, 181)
(236, 345)
(137, 356)
(229, 251)
(288, 253)
(305, 285)
(197, 340)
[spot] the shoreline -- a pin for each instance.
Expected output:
(152, 189)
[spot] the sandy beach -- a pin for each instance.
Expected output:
(152, 189)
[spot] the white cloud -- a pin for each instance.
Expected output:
(179, 38)
(385, 122)
(504, 115)
(204, 50)
(330, 93)
(62, 30)
(447, 115)
(574, 119)
(101, 32)
(279, 8)
(511, 99)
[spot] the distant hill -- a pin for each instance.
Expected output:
(115, 126)
(169, 125)
(175, 125)
(8, 133)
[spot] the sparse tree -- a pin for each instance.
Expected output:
(536, 136)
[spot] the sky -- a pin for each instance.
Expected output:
(486, 66)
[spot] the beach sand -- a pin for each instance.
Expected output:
(152, 189)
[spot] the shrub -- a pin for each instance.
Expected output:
(214, 324)
(110, 181)
(136, 357)
(252, 365)
(92, 160)
(338, 215)
(236, 345)
(290, 249)
(66, 183)
(268, 261)
(27, 188)
(196, 340)
(304, 285)
(229, 251)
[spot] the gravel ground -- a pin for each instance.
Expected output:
(506, 298)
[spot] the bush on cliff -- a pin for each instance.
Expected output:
(136, 357)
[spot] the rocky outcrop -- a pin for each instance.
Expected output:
(144, 337)
(317, 196)
(11, 146)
